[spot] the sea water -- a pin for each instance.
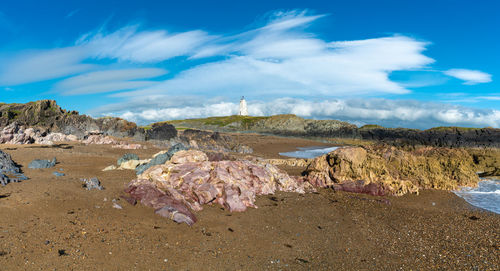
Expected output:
(486, 195)
(308, 152)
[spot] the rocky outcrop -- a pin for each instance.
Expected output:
(390, 170)
(16, 134)
(212, 141)
(286, 125)
(438, 137)
(189, 180)
(9, 171)
(46, 116)
(291, 125)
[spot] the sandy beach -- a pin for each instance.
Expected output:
(53, 223)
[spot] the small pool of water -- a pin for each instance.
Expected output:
(308, 152)
(486, 195)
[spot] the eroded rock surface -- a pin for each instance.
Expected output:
(393, 170)
(190, 179)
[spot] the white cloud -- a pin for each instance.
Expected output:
(280, 58)
(332, 69)
(43, 65)
(390, 113)
(110, 80)
(127, 44)
(471, 77)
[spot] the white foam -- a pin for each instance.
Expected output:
(486, 195)
(310, 152)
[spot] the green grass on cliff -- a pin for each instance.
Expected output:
(246, 121)
(371, 126)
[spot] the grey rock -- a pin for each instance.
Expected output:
(92, 183)
(9, 172)
(58, 174)
(177, 147)
(35, 164)
(161, 158)
(126, 157)
(161, 131)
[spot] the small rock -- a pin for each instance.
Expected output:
(36, 164)
(108, 168)
(117, 206)
(92, 183)
(58, 174)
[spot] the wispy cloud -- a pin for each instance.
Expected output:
(43, 65)
(471, 77)
(72, 13)
(109, 80)
(128, 44)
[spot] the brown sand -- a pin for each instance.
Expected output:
(323, 231)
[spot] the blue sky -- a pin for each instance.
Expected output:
(395, 63)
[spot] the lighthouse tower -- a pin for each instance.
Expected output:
(243, 107)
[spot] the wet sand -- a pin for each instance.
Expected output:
(46, 216)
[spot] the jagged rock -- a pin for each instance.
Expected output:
(393, 170)
(161, 131)
(36, 164)
(9, 172)
(47, 116)
(191, 180)
(92, 183)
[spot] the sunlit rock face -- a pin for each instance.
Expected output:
(384, 169)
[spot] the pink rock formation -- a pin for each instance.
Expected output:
(15, 134)
(107, 140)
(189, 178)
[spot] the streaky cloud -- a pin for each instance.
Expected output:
(470, 77)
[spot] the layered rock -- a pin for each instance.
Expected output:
(189, 179)
(390, 170)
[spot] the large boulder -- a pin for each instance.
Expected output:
(391, 170)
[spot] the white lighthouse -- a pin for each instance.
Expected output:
(243, 107)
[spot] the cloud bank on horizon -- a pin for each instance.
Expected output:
(281, 67)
